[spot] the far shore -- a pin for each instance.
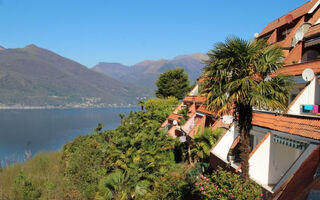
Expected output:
(60, 107)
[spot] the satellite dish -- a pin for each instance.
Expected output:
(256, 35)
(308, 74)
(174, 122)
(183, 139)
(298, 36)
(267, 78)
(227, 119)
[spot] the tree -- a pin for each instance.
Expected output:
(122, 115)
(238, 76)
(99, 128)
(203, 142)
(173, 82)
(141, 103)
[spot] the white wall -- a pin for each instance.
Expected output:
(259, 163)
(222, 148)
(194, 91)
(310, 95)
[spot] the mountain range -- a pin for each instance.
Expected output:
(145, 73)
(32, 76)
(36, 77)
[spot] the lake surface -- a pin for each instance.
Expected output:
(50, 129)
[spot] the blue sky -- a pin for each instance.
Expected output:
(129, 31)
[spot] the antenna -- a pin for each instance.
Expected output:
(307, 74)
(227, 119)
(174, 122)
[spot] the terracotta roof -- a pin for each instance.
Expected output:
(298, 185)
(201, 80)
(309, 128)
(298, 12)
(219, 124)
(315, 185)
(178, 107)
(195, 99)
(164, 123)
(235, 142)
(192, 110)
(313, 30)
(174, 116)
(297, 69)
(203, 109)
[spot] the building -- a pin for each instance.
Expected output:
(285, 152)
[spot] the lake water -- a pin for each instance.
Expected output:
(49, 129)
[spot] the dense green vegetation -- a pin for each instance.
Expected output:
(174, 82)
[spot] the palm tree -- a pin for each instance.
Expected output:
(141, 103)
(203, 142)
(238, 76)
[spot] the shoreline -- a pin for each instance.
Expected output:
(58, 107)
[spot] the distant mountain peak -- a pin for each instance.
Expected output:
(112, 63)
(198, 56)
(146, 72)
(2, 48)
(145, 62)
(31, 46)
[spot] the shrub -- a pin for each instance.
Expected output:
(227, 185)
(24, 189)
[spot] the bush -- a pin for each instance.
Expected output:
(24, 189)
(227, 185)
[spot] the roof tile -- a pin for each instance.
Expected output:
(195, 99)
(298, 12)
(309, 128)
(297, 69)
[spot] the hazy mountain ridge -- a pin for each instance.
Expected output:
(33, 76)
(145, 73)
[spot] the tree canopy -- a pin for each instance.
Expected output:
(174, 82)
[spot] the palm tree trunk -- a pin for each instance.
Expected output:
(245, 125)
(189, 155)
